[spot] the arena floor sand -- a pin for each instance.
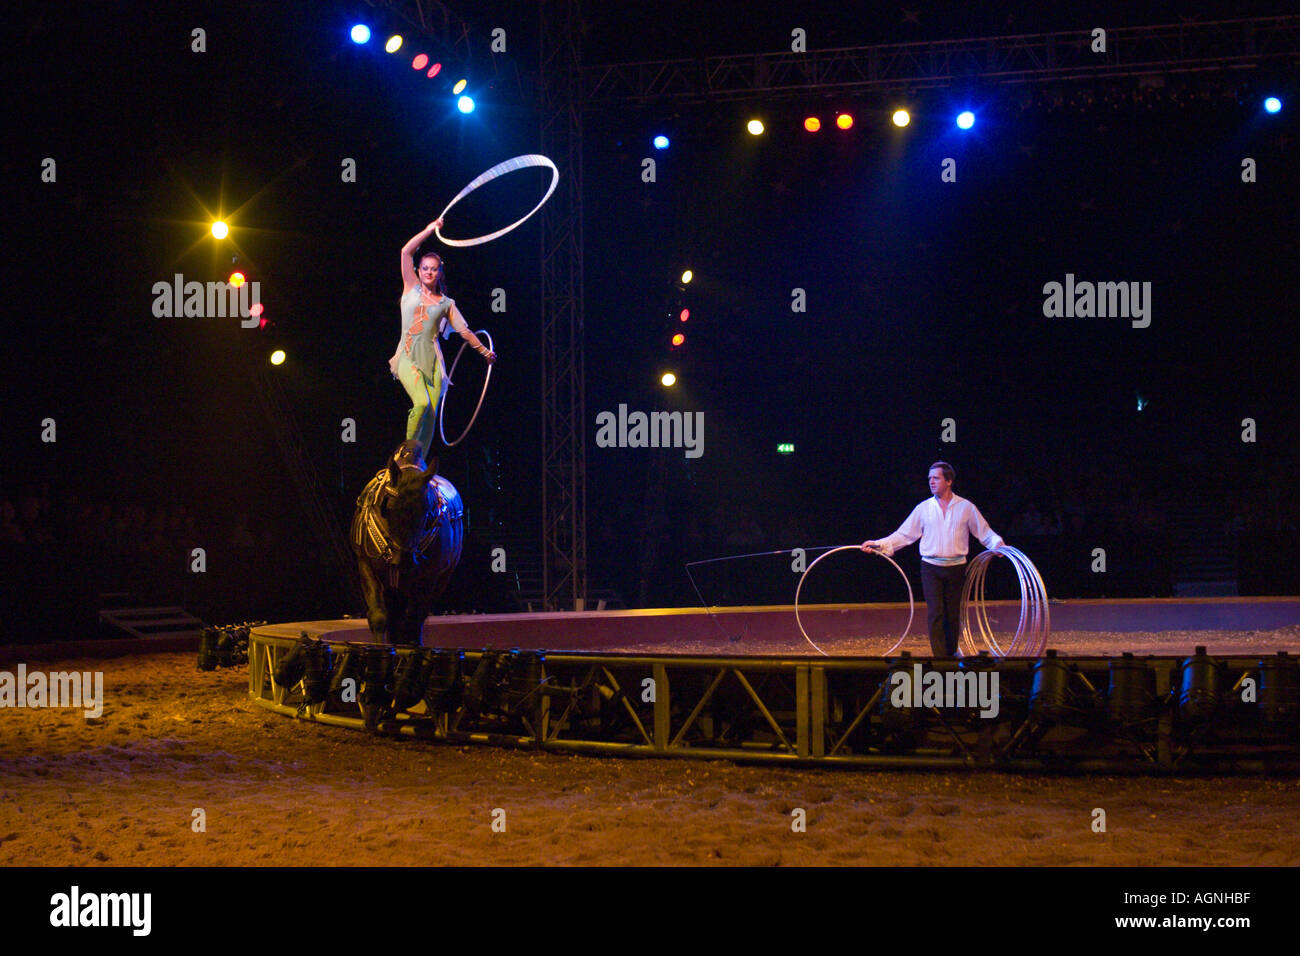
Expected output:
(120, 791)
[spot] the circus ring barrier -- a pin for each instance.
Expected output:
(1113, 714)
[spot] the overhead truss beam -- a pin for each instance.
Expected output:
(1032, 58)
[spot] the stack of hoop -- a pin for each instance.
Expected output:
(1035, 619)
(1032, 629)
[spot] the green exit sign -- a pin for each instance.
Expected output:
(785, 448)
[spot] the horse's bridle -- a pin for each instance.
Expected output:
(370, 532)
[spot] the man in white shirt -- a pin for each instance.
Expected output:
(943, 523)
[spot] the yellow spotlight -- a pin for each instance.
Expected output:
(220, 230)
(687, 276)
(844, 121)
(277, 357)
(755, 127)
(669, 379)
(901, 118)
(237, 279)
(812, 124)
(394, 43)
(460, 85)
(678, 339)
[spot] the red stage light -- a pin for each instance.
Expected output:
(420, 62)
(433, 70)
(686, 314)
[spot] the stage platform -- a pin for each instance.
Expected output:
(1165, 686)
(1079, 627)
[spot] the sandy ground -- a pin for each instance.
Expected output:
(121, 791)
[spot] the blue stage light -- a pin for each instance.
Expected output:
(661, 142)
(361, 33)
(966, 119)
(1273, 104)
(465, 104)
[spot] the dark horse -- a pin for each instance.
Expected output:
(407, 536)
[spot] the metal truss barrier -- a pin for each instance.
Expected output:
(1088, 714)
(1165, 49)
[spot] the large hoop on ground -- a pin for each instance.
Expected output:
(911, 600)
(442, 405)
(1035, 618)
(500, 169)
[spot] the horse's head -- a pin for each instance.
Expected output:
(409, 507)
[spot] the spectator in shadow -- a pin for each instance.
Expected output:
(240, 536)
(9, 529)
(32, 522)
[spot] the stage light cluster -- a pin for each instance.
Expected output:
(421, 63)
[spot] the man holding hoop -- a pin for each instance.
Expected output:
(426, 311)
(943, 523)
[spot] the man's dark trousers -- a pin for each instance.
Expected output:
(942, 585)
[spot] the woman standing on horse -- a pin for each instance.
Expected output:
(426, 311)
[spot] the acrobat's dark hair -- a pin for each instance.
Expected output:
(949, 473)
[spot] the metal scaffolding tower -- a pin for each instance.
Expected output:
(564, 444)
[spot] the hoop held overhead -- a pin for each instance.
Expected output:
(442, 405)
(911, 600)
(500, 169)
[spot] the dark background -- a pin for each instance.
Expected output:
(924, 302)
